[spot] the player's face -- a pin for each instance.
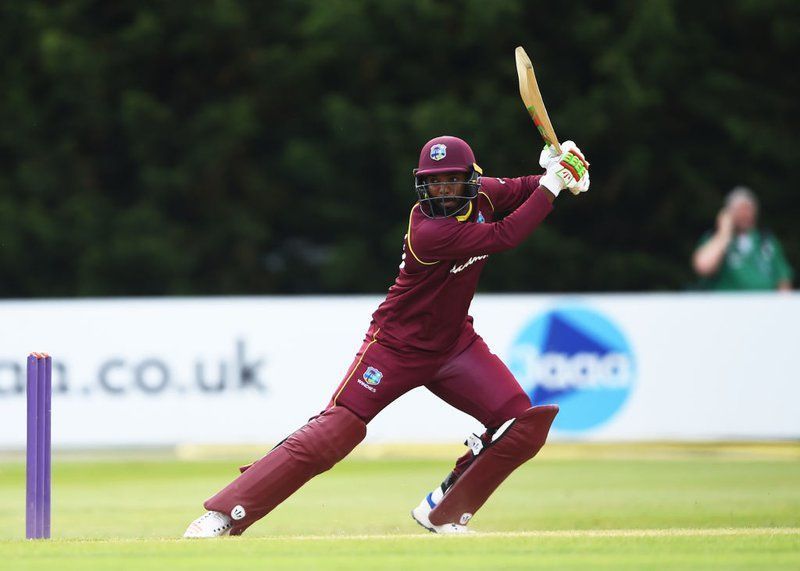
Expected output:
(447, 184)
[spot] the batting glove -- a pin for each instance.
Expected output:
(547, 155)
(568, 170)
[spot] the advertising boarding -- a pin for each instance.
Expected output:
(142, 372)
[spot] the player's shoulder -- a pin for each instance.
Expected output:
(491, 186)
(493, 183)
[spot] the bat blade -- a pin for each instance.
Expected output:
(532, 97)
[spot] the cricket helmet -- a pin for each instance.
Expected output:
(442, 155)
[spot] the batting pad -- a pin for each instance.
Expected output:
(310, 450)
(518, 444)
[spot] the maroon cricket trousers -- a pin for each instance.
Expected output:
(469, 377)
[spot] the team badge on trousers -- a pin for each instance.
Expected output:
(372, 376)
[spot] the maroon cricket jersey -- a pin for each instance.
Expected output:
(426, 308)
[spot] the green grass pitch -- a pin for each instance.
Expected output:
(574, 507)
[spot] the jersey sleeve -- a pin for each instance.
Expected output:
(507, 194)
(448, 239)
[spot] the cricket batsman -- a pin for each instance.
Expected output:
(422, 335)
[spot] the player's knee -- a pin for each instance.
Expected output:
(518, 443)
(512, 408)
(326, 439)
(533, 426)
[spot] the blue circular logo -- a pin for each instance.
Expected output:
(576, 358)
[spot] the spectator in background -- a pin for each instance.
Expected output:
(739, 255)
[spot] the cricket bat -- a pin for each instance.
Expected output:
(532, 97)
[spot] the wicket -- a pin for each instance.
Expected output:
(37, 496)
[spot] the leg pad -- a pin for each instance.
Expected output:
(518, 444)
(312, 449)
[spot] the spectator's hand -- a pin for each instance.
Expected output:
(725, 223)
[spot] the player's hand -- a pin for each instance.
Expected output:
(583, 182)
(568, 170)
(581, 185)
(548, 155)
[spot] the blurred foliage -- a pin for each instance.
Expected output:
(231, 146)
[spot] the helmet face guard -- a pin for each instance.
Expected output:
(446, 154)
(437, 206)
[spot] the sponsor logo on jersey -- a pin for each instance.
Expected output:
(456, 268)
(480, 219)
(438, 152)
(373, 376)
(578, 358)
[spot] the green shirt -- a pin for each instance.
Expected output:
(753, 261)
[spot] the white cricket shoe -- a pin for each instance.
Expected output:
(421, 512)
(210, 524)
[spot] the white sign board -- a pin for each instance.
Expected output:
(234, 370)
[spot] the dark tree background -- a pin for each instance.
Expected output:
(230, 147)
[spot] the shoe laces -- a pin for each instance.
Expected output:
(225, 523)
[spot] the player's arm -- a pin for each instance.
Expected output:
(507, 194)
(450, 239)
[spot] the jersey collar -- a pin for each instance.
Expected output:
(464, 217)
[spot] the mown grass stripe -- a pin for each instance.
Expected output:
(543, 534)
(575, 533)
